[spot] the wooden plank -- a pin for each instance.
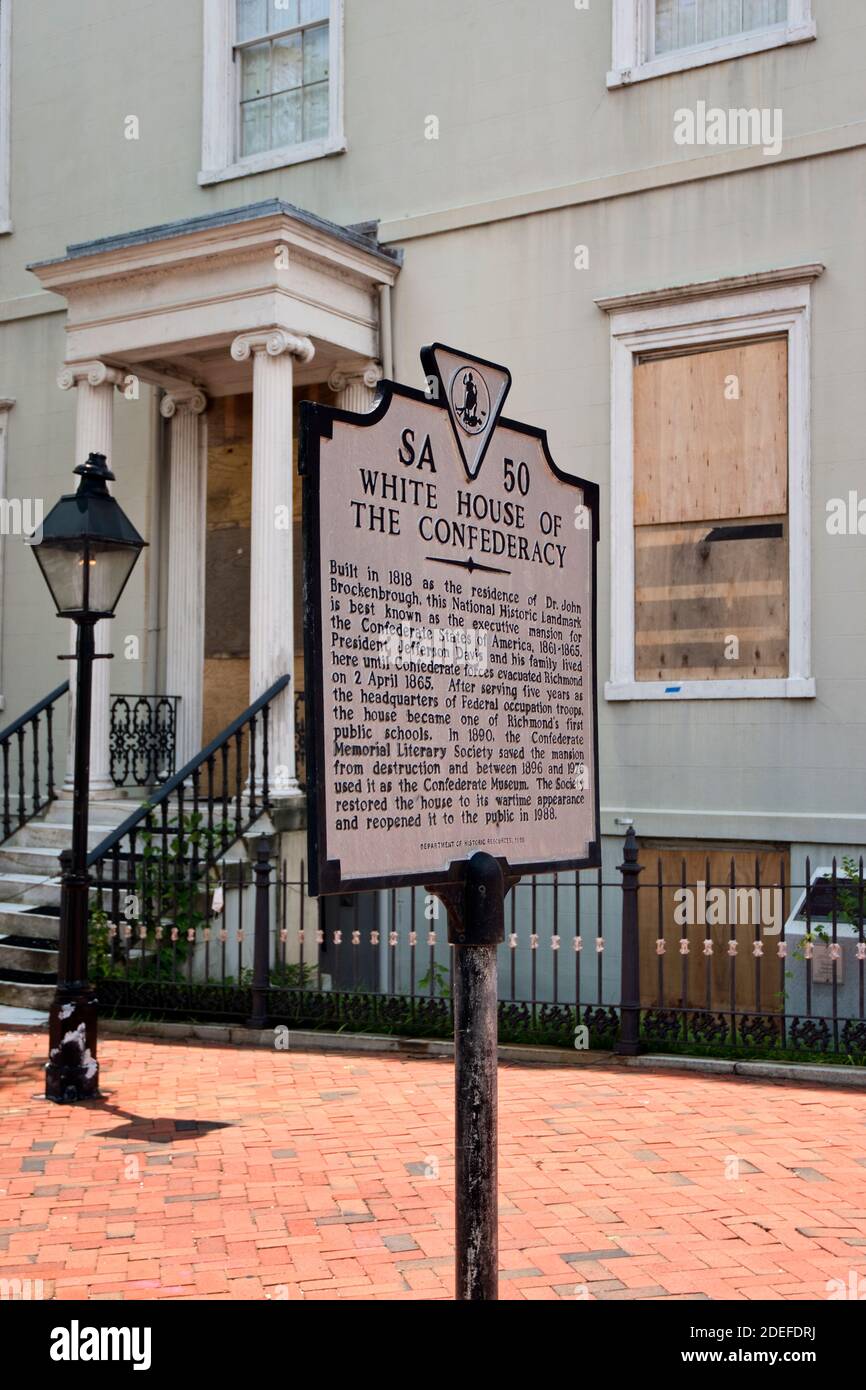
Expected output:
(693, 595)
(710, 864)
(700, 455)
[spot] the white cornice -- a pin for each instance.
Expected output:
(228, 242)
(729, 284)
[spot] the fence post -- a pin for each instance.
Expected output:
(261, 932)
(628, 1043)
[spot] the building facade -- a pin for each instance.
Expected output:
(653, 211)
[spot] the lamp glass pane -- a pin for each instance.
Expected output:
(64, 575)
(107, 569)
(110, 567)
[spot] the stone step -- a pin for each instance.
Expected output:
(30, 955)
(19, 919)
(110, 813)
(29, 889)
(39, 834)
(31, 1019)
(16, 994)
(33, 860)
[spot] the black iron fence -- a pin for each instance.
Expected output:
(756, 966)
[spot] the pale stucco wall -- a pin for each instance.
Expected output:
(519, 89)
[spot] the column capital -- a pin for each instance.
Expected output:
(187, 399)
(95, 373)
(274, 342)
(367, 374)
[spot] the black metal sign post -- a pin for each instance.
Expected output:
(475, 940)
(450, 663)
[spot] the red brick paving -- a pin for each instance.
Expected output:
(236, 1173)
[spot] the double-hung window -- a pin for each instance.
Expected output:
(272, 84)
(654, 37)
(281, 53)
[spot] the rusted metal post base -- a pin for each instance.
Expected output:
(72, 1072)
(628, 1044)
(475, 940)
(261, 947)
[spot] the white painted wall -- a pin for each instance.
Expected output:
(535, 156)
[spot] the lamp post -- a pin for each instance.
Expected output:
(86, 552)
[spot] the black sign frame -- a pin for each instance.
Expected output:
(316, 424)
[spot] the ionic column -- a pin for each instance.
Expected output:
(184, 672)
(356, 386)
(95, 383)
(272, 644)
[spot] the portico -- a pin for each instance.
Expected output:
(260, 300)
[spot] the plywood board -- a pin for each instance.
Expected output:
(711, 601)
(663, 980)
(711, 434)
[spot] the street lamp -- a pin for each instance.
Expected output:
(86, 550)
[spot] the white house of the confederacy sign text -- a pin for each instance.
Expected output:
(449, 612)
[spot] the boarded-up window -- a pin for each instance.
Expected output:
(711, 513)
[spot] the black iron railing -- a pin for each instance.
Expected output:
(754, 966)
(164, 854)
(27, 754)
(141, 739)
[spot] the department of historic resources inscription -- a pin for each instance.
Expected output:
(450, 654)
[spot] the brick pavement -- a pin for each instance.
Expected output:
(236, 1173)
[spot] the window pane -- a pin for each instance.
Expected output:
(316, 54)
(255, 71)
(665, 33)
(283, 14)
(316, 111)
(757, 14)
(287, 125)
(687, 23)
(287, 63)
(314, 9)
(255, 127)
(252, 16)
(718, 18)
(684, 23)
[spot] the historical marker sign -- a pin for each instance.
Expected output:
(449, 592)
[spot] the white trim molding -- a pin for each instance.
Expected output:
(220, 159)
(634, 58)
(689, 318)
(5, 115)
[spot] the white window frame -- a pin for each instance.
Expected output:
(221, 98)
(634, 60)
(5, 115)
(703, 317)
